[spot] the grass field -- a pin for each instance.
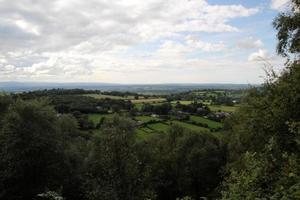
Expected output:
(95, 118)
(216, 108)
(154, 100)
(182, 102)
(102, 96)
(210, 123)
(147, 118)
(189, 126)
(138, 106)
(159, 127)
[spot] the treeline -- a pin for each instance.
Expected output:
(53, 92)
(196, 108)
(60, 91)
(86, 104)
(222, 97)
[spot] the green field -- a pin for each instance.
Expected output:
(102, 96)
(151, 130)
(142, 134)
(95, 118)
(138, 106)
(159, 127)
(147, 119)
(182, 102)
(210, 123)
(189, 126)
(149, 100)
(223, 108)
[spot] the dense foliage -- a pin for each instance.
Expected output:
(288, 26)
(264, 136)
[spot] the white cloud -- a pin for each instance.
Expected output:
(194, 42)
(260, 55)
(249, 43)
(278, 4)
(71, 40)
(27, 27)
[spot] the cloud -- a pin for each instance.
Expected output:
(260, 55)
(278, 4)
(195, 43)
(249, 43)
(27, 27)
(190, 44)
(73, 39)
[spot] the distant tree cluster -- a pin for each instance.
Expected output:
(160, 109)
(86, 104)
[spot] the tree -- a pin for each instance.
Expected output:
(76, 149)
(31, 153)
(264, 139)
(5, 101)
(114, 170)
(187, 164)
(288, 26)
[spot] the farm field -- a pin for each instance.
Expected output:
(223, 108)
(159, 127)
(95, 118)
(189, 126)
(138, 106)
(147, 119)
(182, 102)
(210, 123)
(103, 96)
(149, 100)
(145, 134)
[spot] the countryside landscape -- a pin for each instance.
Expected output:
(197, 110)
(152, 100)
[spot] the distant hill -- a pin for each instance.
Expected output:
(140, 88)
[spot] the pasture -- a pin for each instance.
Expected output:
(147, 119)
(95, 118)
(149, 100)
(189, 126)
(202, 120)
(223, 108)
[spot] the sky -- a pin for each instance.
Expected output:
(138, 41)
